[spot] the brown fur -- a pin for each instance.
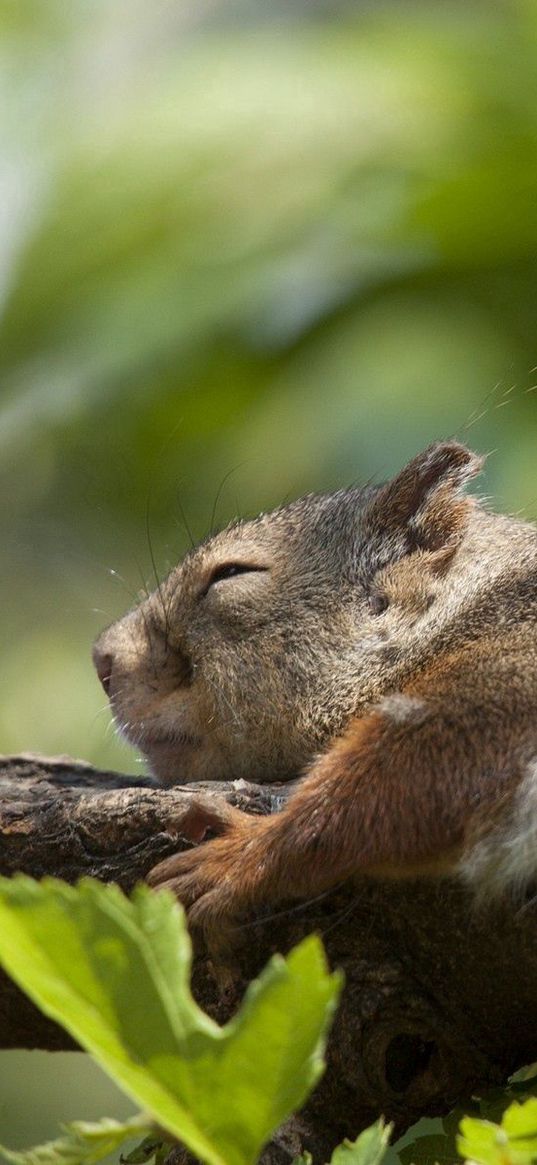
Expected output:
(383, 642)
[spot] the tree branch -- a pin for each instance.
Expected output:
(439, 999)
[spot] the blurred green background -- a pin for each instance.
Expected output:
(246, 250)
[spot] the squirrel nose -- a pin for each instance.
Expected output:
(104, 666)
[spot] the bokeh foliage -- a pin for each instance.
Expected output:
(292, 244)
(310, 245)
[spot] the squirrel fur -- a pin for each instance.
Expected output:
(381, 643)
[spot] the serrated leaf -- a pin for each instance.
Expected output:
(520, 1122)
(115, 972)
(512, 1142)
(369, 1148)
(481, 1141)
(82, 1143)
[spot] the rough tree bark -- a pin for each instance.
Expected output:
(439, 1000)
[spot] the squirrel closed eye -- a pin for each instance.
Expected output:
(227, 570)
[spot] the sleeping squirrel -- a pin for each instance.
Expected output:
(381, 643)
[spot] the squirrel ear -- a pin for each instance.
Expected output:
(424, 500)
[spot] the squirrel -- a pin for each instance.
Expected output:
(378, 642)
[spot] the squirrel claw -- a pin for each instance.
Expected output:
(209, 880)
(197, 873)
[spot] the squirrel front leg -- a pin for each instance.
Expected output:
(392, 797)
(347, 817)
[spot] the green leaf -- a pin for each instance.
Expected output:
(513, 1142)
(481, 1141)
(432, 1147)
(115, 972)
(525, 1077)
(151, 1146)
(520, 1123)
(82, 1143)
(369, 1148)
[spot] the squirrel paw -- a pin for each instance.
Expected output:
(217, 880)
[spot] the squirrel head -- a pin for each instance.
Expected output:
(265, 640)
